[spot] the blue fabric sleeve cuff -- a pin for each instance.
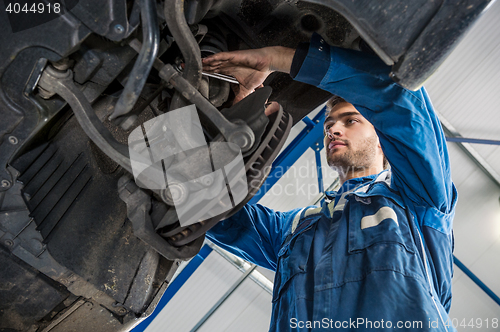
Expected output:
(315, 65)
(298, 58)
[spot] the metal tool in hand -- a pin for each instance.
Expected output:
(221, 77)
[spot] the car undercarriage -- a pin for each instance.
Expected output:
(82, 246)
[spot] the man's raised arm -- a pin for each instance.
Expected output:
(409, 130)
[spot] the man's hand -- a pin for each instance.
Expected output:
(250, 67)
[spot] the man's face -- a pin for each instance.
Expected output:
(350, 140)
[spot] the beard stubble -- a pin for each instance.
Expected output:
(357, 158)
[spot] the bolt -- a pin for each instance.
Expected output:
(9, 243)
(122, 311)
(176, 193)
(119, 29)
(320, 48)
(5, 184)
(242, 138)
(44, 93)
(89, 304)
(59, 72)
(207, 180)
(64, 281)
(61, 65)
(13, 140)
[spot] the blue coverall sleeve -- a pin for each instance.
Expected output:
(410, 132)
(255, 233)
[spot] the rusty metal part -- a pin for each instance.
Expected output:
(62, 84)
(240, 134)
(176, 22)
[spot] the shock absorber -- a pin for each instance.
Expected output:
(214, 42)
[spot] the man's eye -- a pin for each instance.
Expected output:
(351, 121)
(328, 126)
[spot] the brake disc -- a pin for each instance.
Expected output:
(257, 168)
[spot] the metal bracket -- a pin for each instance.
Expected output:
(138, 207)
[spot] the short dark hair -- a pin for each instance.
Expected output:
(334, 101)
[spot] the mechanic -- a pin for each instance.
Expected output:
(378, 253)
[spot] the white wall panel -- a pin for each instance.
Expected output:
(267, 273)
(461, 165)
(255, 318)
(297, 187)
(476, 224)
(248, 309)
(487, 267)
(494, 157)
(470, 302)
(200, 292)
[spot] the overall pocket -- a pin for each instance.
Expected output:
(379, 239)
(293, 258)
(378, 220)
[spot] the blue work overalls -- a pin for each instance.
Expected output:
(379, 255)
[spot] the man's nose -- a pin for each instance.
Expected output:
(334, 130)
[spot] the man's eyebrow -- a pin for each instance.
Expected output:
(342, 115)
